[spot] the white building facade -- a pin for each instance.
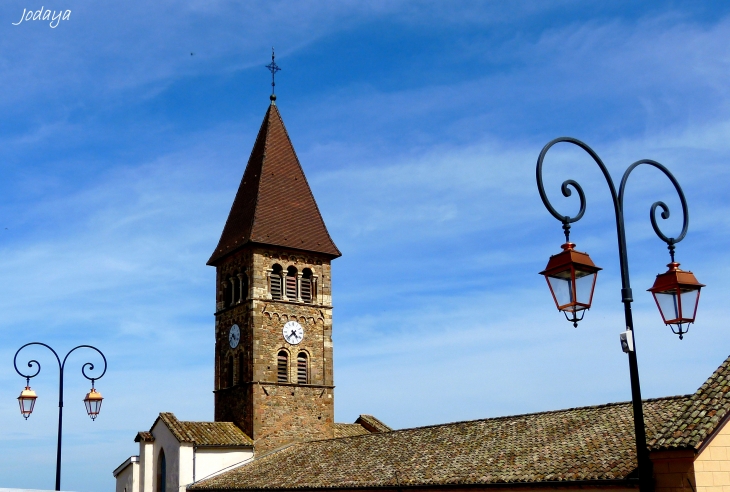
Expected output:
(175, 454)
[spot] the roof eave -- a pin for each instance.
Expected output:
(622, 482)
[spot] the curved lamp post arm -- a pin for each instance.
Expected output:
(88, 365)
(33, 362)
(566, 220)
(671, 241)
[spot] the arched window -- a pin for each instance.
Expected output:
(226, 292)
(275, 282)
(230, 371)
(282, 367)
(291, 283)
(235, 290)
(243, 280)
(161, 472)
(302, 372)
(307, 285)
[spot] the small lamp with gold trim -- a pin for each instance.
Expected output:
(93, 402)
(26, 400)
(571, 276)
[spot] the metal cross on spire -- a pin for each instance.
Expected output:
(273, 68)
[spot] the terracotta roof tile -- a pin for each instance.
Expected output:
(701, 414)
(590, 443)
(144, 436)
(205, 434)
(274, 204)
(347, 430)
(372, 424)
(578, 444)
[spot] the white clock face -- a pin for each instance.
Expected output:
(293, 332)
(234, 336)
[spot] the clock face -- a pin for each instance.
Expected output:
(234, 336)
(293, 332)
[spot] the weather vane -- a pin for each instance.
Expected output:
(273, 68)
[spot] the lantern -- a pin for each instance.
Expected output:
(26, 400)
(571, 276)
(677, 294)
(93, 402)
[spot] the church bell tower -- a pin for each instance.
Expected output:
(273, 320)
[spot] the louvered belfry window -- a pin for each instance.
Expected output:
(307, 285)
(306, 290)
(302, 368)
(282, 367)
(275, 282)
(291, 283)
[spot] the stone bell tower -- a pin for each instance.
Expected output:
(273, 320)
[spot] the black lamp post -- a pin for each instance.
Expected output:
(571, 276)
(28, 397)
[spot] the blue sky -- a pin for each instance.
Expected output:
(418, 125)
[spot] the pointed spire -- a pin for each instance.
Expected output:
(274, 204)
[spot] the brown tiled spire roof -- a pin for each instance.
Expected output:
(274, 204)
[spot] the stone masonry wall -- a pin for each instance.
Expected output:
(285, 414)
(270, 412)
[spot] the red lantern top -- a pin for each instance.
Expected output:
(571, 276)
(677, 294)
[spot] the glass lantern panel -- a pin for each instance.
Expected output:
(584, 287)
(562, 290)
(93, 406)
(668, 305)
(26, 405)
(689, 300)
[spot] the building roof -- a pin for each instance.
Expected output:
(371, 424)
(594, 443)
(700, 416)
(348, 430)
(589, 443)
(274, 204)
(365, 424)
(205, 434)
(144, 436)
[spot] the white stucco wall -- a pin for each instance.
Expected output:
(146, 466)
(166, 441)
(209, 461)
(128, 476)
(185, 463)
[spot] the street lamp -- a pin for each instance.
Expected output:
(93, 402)
(28, 397)
(27, 400)
(571, 276)
(677, 294)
